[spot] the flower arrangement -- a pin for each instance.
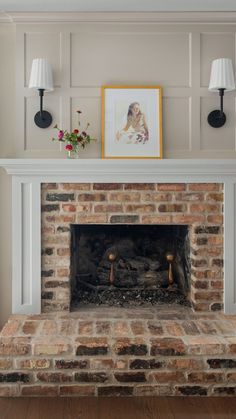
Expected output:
(75, 140)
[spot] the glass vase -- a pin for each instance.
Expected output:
(72, 154)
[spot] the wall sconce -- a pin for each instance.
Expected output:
(41, 79)
(222, 80)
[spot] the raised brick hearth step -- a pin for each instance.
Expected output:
(114, 352)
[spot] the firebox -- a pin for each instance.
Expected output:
(129, 265)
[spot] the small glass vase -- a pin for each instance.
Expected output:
(72, 154)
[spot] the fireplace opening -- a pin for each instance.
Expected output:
(129, 265)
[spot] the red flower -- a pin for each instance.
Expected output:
(68, 147)
(76, 131)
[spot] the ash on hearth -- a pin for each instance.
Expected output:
(127, 265)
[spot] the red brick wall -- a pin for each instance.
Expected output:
(198, 205)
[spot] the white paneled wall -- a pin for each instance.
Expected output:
(87, 55)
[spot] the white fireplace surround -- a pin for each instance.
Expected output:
(29, 174)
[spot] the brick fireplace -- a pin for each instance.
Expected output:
(109, 351)
(197, 205)
(200, 210)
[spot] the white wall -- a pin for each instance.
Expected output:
(7, 132)
(86, 55)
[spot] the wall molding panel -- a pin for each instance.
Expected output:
(88, 53)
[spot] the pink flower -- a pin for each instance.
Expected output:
(76, 131)
(60, 134)
(68, 147)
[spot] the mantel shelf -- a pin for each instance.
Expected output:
(122, 168)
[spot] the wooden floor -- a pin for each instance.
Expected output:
(118, 408)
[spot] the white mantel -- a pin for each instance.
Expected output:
(28, 174)
(123, 167)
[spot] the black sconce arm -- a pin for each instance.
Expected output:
(216, 119)
(42, 119)
(221, 93)
(41, 94)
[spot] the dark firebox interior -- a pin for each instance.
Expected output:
(129, 265)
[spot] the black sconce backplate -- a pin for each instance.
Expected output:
(43, 119)
(216, 119)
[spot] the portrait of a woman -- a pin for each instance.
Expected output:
(134, 129)
(131, 122)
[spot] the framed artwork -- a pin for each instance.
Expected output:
(131, 122)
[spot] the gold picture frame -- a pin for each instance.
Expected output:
(132, 122)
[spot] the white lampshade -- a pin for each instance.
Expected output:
(222, 75)
(41, 75)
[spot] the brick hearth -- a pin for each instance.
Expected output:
(113, 352)
(198, 205)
